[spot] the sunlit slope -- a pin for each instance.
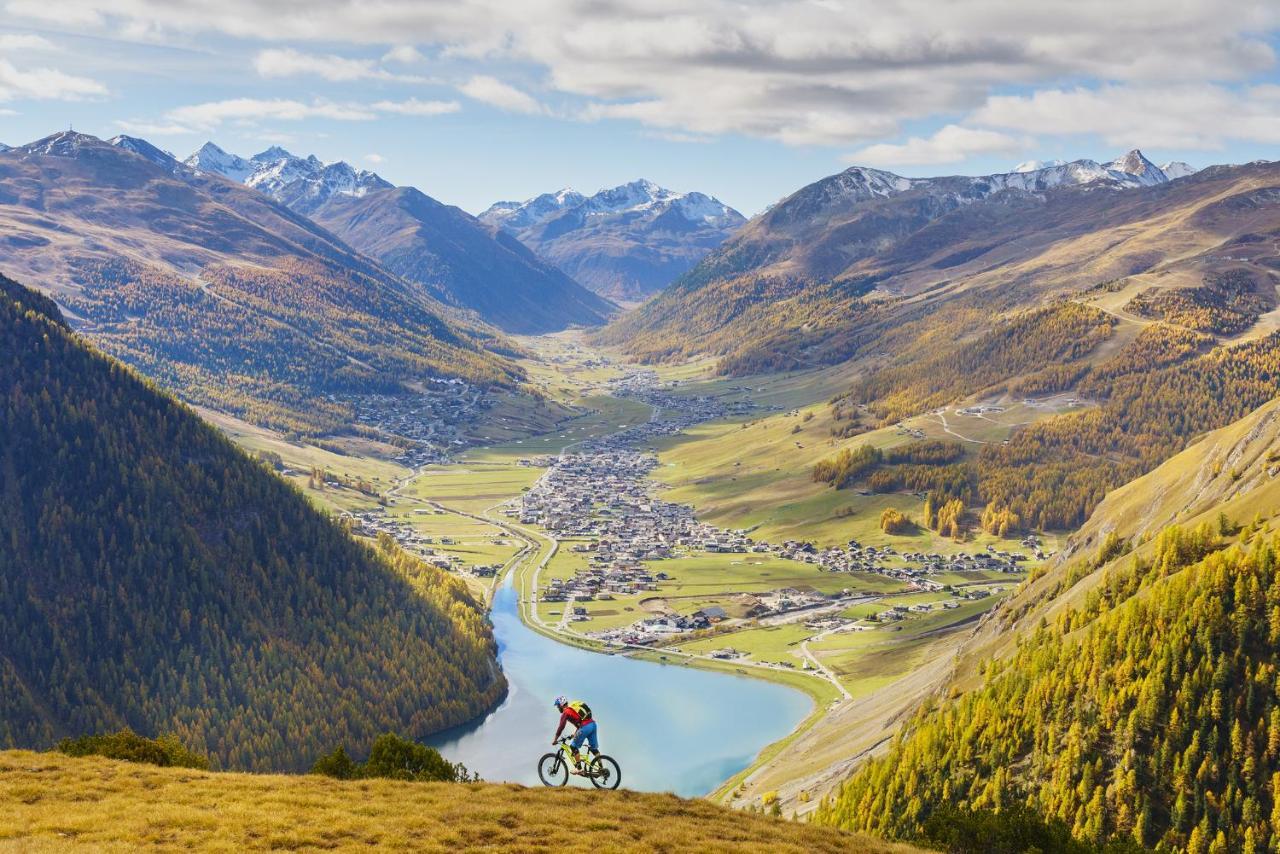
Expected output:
(807, 286)
(1127, 691)
(218, 292)
(57, 803)
(1232, 471)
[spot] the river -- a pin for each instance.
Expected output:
(671, 728)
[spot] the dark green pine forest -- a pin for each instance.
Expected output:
(153, 576)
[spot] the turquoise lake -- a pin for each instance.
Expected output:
(671, 728)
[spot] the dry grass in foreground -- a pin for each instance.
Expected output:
(54, 802)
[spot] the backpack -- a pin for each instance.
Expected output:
(583, 710)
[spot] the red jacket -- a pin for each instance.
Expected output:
(571, 715)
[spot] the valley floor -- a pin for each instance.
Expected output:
(745, 472)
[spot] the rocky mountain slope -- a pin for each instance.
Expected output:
(628, 242)
(216, 290)
(457, 259)
(153, 576)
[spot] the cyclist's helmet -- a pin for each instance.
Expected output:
(561, 702)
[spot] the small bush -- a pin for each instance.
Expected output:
(126, 745)
(338, 765)
(395, 758)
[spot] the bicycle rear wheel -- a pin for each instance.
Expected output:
(552, 770)
(605, 772)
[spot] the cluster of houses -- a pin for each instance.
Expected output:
(603, 582)
(913, 566)
(432, 419)
(601, 494)
(660, 628)
(371, 523)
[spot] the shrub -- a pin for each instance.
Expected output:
(126, 745)
(394, 758)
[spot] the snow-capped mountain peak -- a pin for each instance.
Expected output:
(1177, 169)
(67, 143)
(641, 197)
(142, 148)
(1135, 164)
(699, 207)
(4, 147)
(211, 158)
(640, 194)
(303, 183)
(272, 155)
(1037, 165)
(654, 234)
(514, 215)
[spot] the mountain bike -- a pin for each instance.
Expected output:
(553, 768)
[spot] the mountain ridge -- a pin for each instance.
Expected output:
(877, 238)
(627, 241)
(219, 292)
(455, 257)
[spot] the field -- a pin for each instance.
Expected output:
(363, 463)
(755, 474)
(55, 803)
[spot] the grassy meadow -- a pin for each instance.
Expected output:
(57, 803)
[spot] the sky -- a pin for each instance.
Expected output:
(475, 102)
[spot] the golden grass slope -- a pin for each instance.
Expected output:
(56, 803)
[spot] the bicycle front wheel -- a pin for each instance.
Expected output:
(552, 770)
(605, 773)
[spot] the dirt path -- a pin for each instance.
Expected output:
(942, 416)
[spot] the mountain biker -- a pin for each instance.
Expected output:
(577, 713)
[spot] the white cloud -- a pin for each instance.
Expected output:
(1179, 117)
(214, 113)
(47, 84)
(25, 41)
(405, 54)
(414, 107)
(677, 136)
(287, 62)
(375, 159)
(949, 144)
(495, 93)
(847, 72)
(203, 117)
(145, 128)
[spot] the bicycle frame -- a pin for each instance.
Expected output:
(566, 749)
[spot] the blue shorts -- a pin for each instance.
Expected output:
(587, 732)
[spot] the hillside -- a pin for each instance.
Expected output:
(1152, 306)
(461, 262)
(457, 259)
(1128, 689)
(820, 275)
(626, 243)
(218, 292)
(94, 804)
(154, 576)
